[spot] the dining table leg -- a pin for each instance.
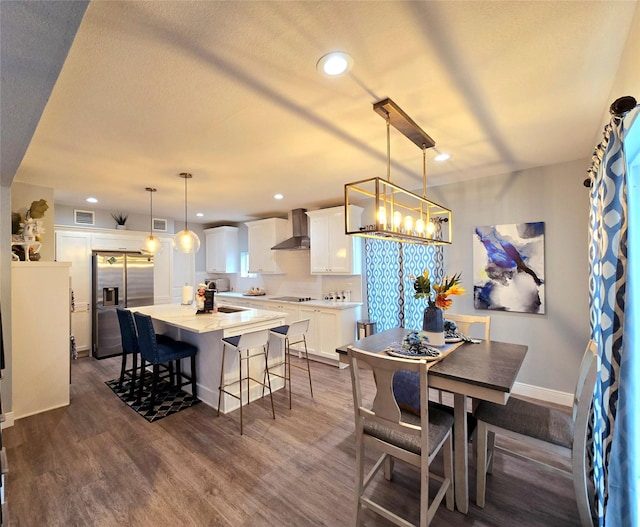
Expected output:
(461, 455)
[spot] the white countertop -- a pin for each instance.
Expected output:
(185, 317)
(230, 295)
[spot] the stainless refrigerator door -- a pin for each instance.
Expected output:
(108, 293)
(139, 276)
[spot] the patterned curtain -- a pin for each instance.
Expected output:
(613, 298)
(389, 287)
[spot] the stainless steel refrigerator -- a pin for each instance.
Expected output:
(119, 280)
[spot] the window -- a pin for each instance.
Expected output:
(244, 266)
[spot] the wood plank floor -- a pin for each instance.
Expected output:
(97, 463)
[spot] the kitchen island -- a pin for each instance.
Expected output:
(206, 331)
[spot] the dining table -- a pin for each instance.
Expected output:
(484, 370)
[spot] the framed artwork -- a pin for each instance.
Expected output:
(508, 267)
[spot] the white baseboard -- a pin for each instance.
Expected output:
(8, 420)
(544, 394)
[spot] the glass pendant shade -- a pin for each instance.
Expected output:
(186, 241)
(151, 245)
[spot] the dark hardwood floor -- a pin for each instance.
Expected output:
(97, 463)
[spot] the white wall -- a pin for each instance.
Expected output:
(553, 194)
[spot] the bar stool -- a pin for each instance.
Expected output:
(245, 343)
(290, 333)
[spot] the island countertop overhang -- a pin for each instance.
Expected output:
(184, 317)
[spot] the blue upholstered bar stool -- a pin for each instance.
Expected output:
(294, 333)
(129, 336)
(157, 352)
(243, 345)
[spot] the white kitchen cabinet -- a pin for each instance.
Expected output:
(333, 252)
(40, 327)
(264, 234)
(291, 311)
(222, 249)
(329, 329)
(117, 242)
(163, 271)
(75, 247)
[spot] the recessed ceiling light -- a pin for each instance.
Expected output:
(92, 200)
(278, 196)
(442, 156)
(199, 214)
(335, 63)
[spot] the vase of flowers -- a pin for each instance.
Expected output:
(433, 318)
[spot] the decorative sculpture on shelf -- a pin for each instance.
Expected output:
(26, 232)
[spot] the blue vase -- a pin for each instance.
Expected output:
(433, 325)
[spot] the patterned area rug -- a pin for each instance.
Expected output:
(169, 400)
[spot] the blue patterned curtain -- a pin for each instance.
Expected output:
(613, 299)
(389, 288)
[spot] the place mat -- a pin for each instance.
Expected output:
(443, 352)
(169, 399)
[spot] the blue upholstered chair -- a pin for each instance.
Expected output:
(129, 337)
(129, 345)
(157, 352)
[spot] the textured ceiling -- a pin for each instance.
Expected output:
(229, 91)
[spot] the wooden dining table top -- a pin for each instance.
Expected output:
(490, 365)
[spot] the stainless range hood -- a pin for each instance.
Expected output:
(300, 239)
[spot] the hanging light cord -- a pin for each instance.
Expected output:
(185, 204)
(388, 149)
(424, 170)
(151, 191)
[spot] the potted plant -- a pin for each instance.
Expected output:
(120, 219)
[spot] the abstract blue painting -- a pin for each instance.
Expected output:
(508, 267)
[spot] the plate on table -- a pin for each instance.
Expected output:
(425, 353)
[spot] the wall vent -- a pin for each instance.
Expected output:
(159, 225)
(84, 217)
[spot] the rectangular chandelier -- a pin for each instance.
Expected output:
(389, 211)
(395, 214)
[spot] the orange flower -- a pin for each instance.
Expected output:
(449, 286)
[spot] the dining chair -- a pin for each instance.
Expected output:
(243, 345)
(465, 322)
(294, 333)
(398, 434)
(463, 325)
(160, 351)
(543, 427)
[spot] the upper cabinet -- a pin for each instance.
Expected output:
(264, 234)
(222, 249)
(333, 252)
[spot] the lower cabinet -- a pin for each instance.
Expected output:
(329, 329)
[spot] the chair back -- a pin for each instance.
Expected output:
(464, 323)
(384, 410)
(254, 339)
(147, 342)
(298, 328)
(585, 387)
(127, 330)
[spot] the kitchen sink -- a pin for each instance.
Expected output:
(228, 309)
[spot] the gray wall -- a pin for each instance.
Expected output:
(553, 194)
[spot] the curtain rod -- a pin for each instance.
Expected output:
(618, 108)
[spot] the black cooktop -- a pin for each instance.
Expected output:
(293, 298)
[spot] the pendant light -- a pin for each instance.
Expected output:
(186, 241)
(151, 244)
(390, 212)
